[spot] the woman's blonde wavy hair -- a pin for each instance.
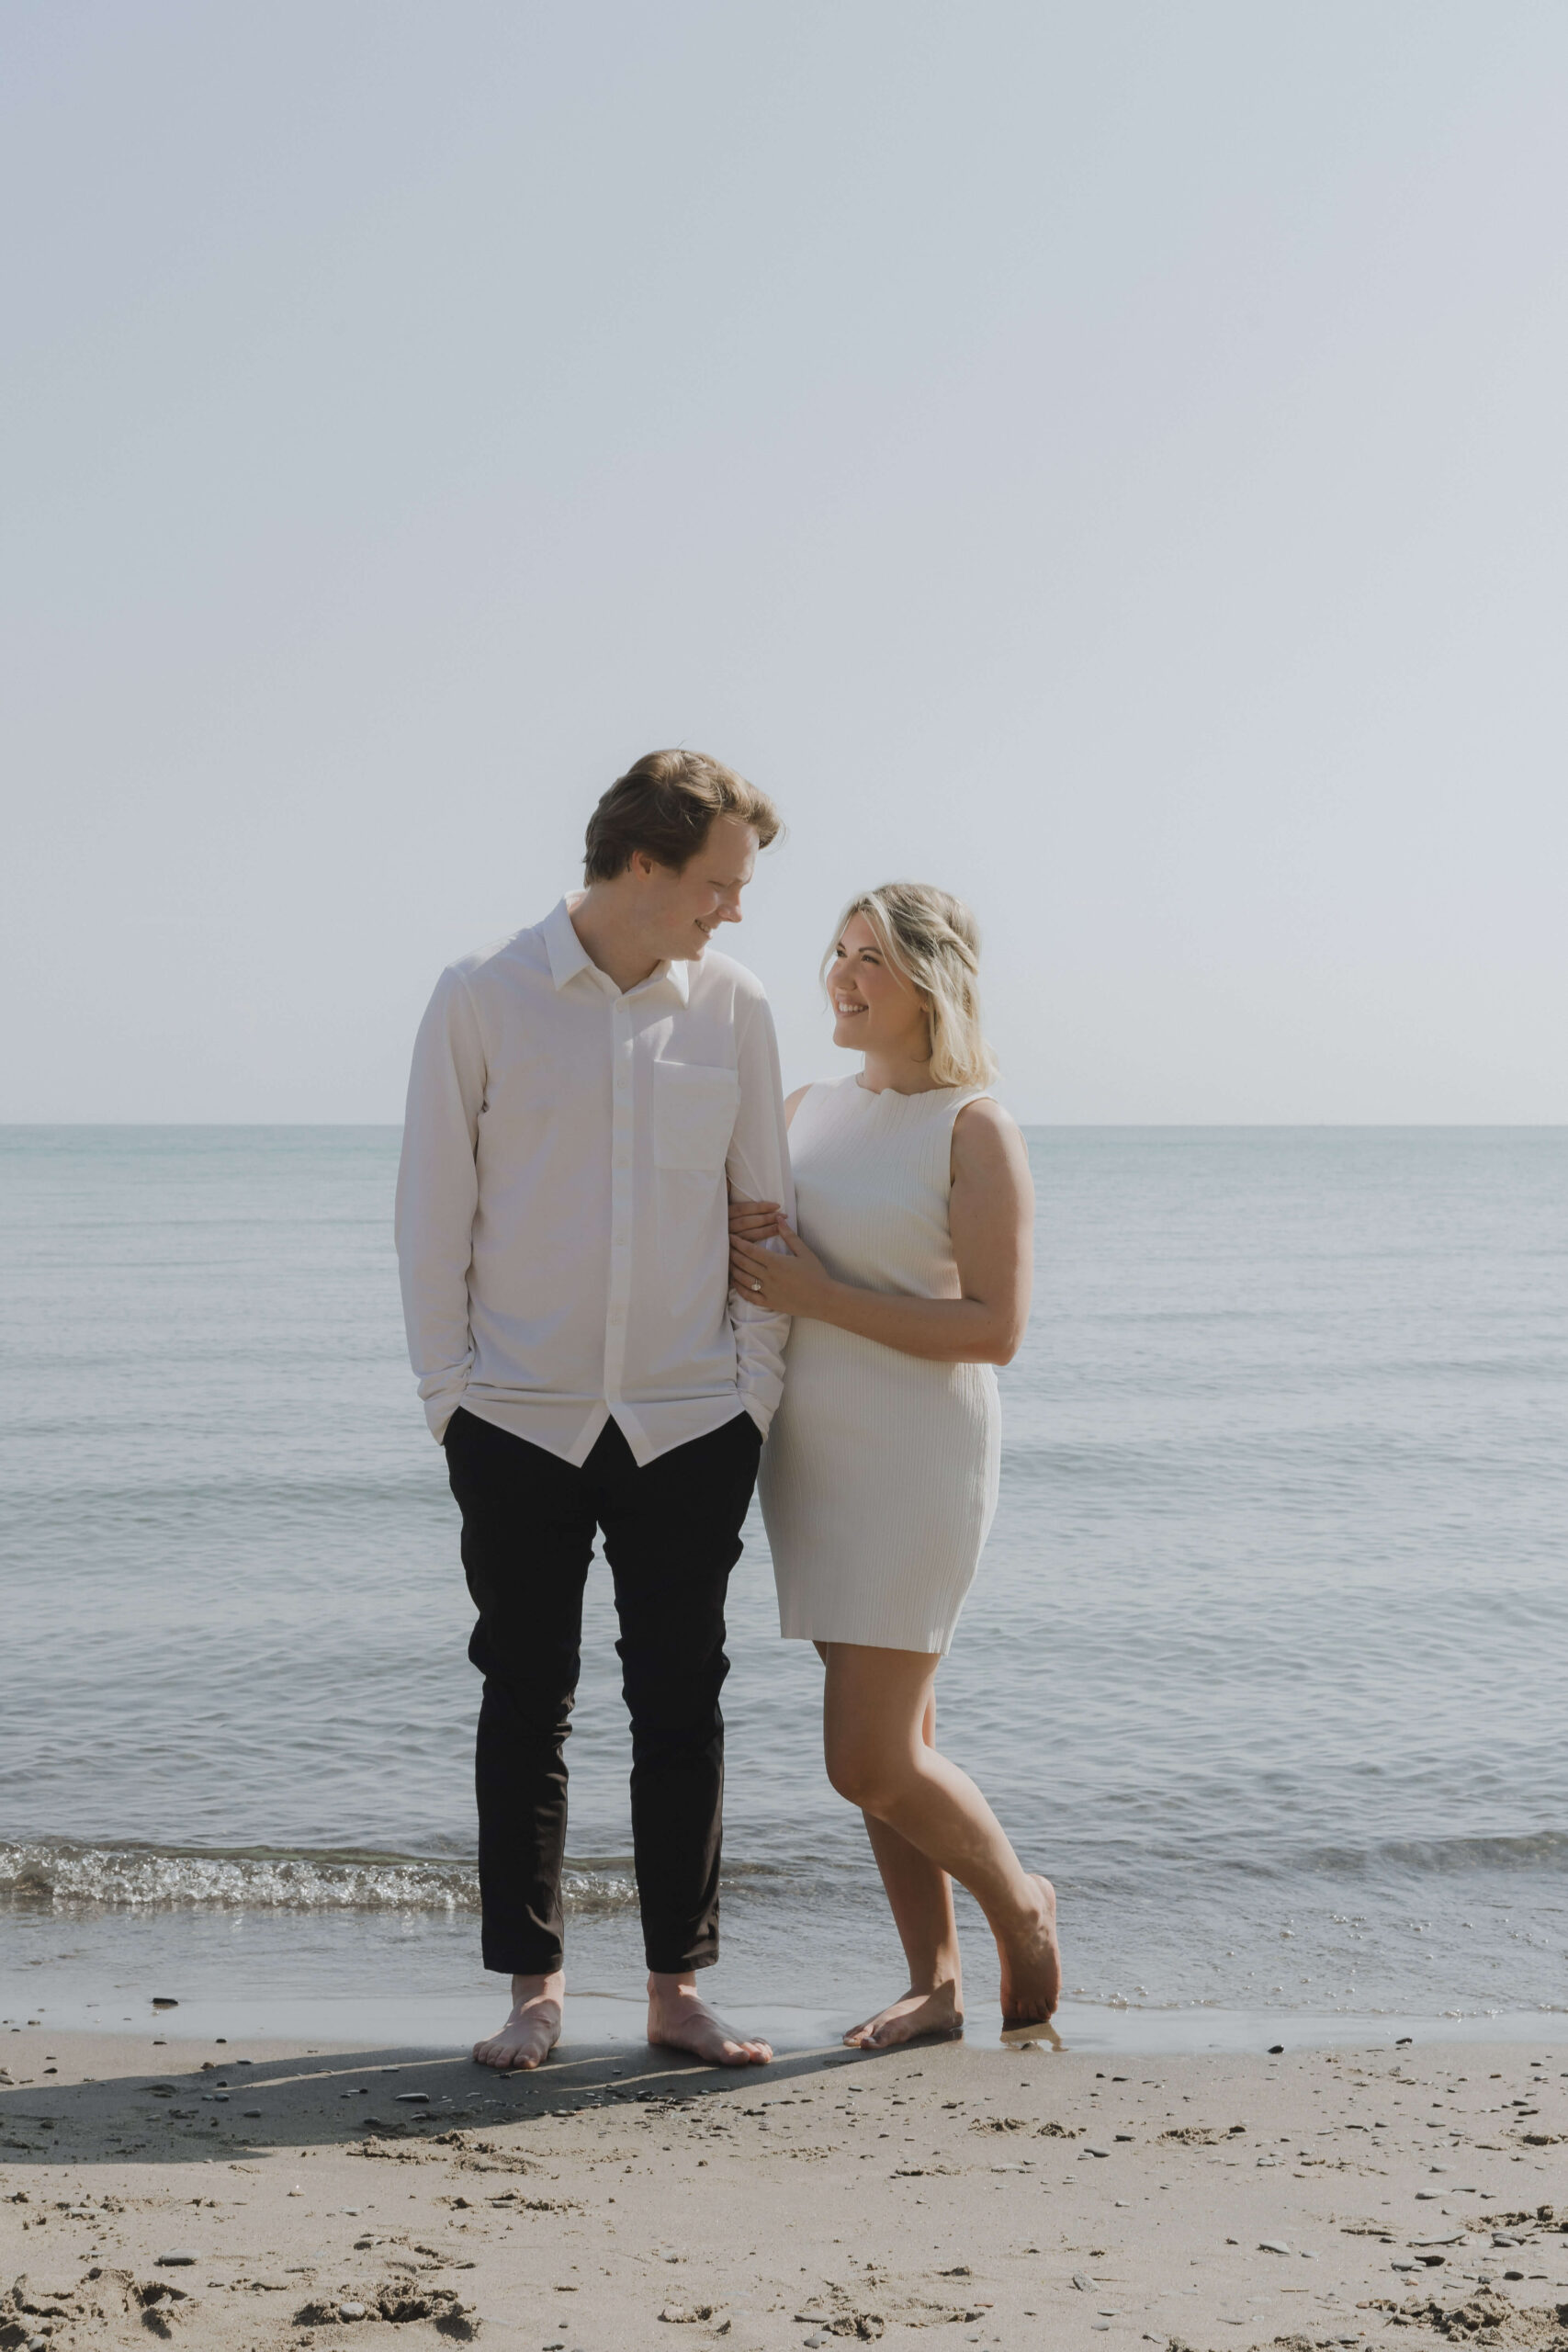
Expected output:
(933, 941)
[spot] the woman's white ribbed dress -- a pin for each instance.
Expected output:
(879, 1476)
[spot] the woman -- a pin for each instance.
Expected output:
(909, 1279)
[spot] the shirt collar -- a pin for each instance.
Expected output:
(568, 956)
(567, 953)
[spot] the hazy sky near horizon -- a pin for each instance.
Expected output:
(1107, 459)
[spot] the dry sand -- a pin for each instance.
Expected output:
(248, 2194)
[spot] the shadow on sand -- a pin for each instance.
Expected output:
(390, 2103)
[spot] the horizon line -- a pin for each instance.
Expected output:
(1086, 1126)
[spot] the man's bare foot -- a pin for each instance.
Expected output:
(914, 2017)
(533, 2029)
(1031, 1965)
(677, 2020)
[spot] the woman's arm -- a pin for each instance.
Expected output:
(992, 1214)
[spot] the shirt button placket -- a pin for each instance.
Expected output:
(620, 1207)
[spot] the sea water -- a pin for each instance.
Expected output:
(1264, 1664)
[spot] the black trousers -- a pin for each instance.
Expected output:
(671, 1536)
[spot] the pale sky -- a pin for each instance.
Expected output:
(1109, 459)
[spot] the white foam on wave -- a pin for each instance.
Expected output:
(60, 1874)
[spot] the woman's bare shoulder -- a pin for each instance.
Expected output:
(985, 1116)
(986, 1138)
(793, 1103)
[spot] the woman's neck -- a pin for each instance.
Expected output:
(899, 1073)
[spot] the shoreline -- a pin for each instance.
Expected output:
(257, 2193)
(601, 2016)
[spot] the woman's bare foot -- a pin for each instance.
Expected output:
(1031, 1965)
(914, 2017)
(678, 2020)
(533, 2029)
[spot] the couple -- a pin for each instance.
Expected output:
(610, 1308)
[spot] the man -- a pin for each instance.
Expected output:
(578, 1097)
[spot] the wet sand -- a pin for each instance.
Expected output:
(259, 2194)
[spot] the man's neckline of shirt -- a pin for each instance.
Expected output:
(569, 957)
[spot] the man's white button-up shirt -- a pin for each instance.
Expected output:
(563, 1201)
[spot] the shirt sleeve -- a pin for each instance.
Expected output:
(437, 1195)
(758, 1168)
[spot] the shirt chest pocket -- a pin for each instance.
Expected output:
(693, 1115)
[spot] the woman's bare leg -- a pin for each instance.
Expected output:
(920, 1897)
(874, 1710)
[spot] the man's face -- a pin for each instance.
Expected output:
(682, 910)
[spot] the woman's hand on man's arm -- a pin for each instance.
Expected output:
(754, 1220)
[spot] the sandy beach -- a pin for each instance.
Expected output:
(239, 2195)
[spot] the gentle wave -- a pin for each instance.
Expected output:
(1423, 1857)
(1130, 1865)
(55, 1871)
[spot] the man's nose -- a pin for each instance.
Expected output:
(730, 909)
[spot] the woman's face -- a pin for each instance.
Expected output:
(875, 1011)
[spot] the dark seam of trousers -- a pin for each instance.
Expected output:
(671, 1535)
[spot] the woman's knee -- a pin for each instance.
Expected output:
(873, 1718)
(866, 1775)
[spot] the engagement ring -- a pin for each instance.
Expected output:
(756, 1285)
